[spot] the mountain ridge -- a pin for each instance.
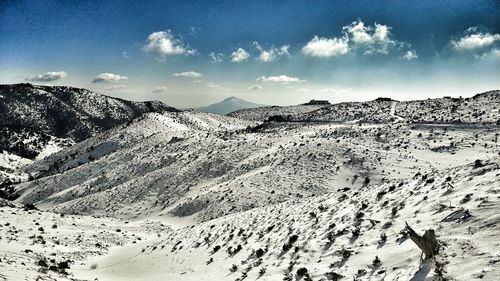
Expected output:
(437, 110)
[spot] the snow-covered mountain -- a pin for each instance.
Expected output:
(36, 121)
(67, 112)
(228, 105)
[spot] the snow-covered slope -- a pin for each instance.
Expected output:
(200, 166)
(482, 108)
(263, 113)
(9, 166)
(377, 111)
(37, 245)
(228, 105)
(353, 234)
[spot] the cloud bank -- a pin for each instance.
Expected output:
(272, 54)
(410, 55)
(280, 79)
(240, 55)
(326, 47)
(47, 77)
(475, 41)
(188, 74)
(355, 37)
(109, 78)
(216, 57)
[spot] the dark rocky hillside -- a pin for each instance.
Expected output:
(32, 115)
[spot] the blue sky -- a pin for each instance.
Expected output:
(191, 53)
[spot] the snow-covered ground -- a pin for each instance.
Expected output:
(325, 196)
(10, 165)
(337, 234)
(34, 245)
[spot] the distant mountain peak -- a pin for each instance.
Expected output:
(229, 105)
(232, 98)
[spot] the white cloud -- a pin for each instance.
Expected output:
(359, 32)
(410, 55)
(491, 56)
(255, 87)
(216, 57)
(125, 55)
(279, 79)
(115, 87)
(326, 47)
(193, 30)
(108, 77)
(475, 41)
(272, 54)
(189, 74)
(240, 55)
(160, 89)
(357, 36)
(47, 77)
(371, 39)
(163, 43)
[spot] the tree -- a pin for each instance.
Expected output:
(427, 243)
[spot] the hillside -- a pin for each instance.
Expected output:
(263, 113)
(482, 108)
(44, 115)
(336, 236)
(179, 166)
(37, 245)
(228, 105)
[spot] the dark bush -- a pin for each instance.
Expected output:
(216, 248)
(478, 164)
(259, 253)
(302, 271)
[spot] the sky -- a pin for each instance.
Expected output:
(193, 53)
